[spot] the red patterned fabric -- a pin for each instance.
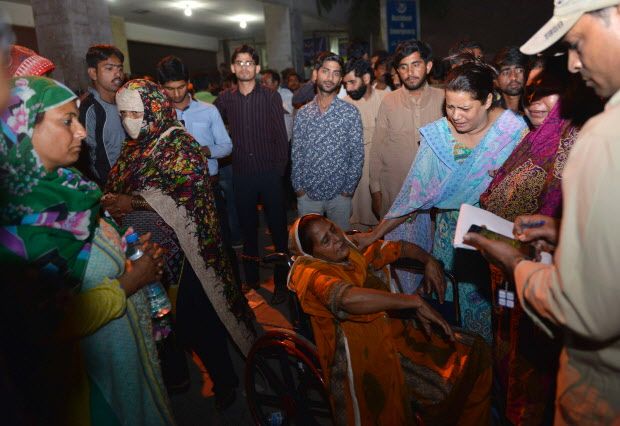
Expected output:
(26, 62)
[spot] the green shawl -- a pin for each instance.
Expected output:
(46, 218)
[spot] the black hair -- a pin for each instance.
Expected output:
(459, 59)
(293, 74)
(356, 49)
(246, 49)
(509, 56)
(303, 230)
(408, 47)
(101, 52)
(326, 57)
(275, 76)
(389, 66)
(285, 73)
(359, 66)
(38, 119)
(381, 54)
(171, 68)
(440, 69)
(385, 60)
(474, 77)
(465, 45)
(578, 102)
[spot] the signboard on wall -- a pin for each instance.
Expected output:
(312, 46)
(403, 21)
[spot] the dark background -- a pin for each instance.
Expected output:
(494, 23)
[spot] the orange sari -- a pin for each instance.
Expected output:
(377, 368)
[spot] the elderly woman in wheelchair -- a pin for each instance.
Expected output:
(380, 369)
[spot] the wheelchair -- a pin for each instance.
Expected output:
(283, 379)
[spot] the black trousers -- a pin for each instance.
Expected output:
(222, 213)
(200, 329)
(268, 186)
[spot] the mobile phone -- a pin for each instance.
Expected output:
(526, 249)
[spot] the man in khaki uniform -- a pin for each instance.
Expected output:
(579, 294)
(357, 81)
(401, 114)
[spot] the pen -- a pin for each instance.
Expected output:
(536, 224)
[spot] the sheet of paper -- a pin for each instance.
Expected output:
(470, 215)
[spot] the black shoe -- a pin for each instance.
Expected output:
(225, 398)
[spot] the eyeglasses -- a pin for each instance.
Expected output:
(245, 63)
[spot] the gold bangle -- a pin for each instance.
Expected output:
(139, 203)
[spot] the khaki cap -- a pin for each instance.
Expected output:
(565, 14)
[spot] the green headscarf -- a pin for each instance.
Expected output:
(46, 218)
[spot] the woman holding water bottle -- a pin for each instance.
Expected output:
(100, 364)
(161, 184)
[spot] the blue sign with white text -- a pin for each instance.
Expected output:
(402, 21)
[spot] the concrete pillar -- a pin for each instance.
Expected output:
(384, 29)
(119, 37)
(284, 37)
(65, 30)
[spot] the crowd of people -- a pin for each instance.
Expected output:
(389, 145)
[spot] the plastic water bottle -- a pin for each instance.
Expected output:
(158, 299)
(134, 250)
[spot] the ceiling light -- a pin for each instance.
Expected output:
(188, 11)
(243, 24)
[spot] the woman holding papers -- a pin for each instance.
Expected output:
(529, 182)
(458, 155)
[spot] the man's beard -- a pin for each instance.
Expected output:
(513, 91)
(323, 89)
(414, 86)
(356, 95)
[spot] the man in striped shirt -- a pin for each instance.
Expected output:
(255, 118)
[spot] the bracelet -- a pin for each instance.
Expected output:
(139, 203)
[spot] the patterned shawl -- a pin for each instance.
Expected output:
(46, 218)
(530, 179)
(174, 164)
(436, 179)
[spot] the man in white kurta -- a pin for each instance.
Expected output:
(357, 82)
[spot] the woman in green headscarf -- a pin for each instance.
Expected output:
(49, 218)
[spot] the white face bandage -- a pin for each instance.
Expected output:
(132, 126)
(129, 100)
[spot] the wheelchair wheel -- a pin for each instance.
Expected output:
(283, 381)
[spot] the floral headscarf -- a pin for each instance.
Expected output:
(174, 164)
(46, 217)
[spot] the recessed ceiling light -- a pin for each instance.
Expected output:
(188, 11)
(243, 24)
